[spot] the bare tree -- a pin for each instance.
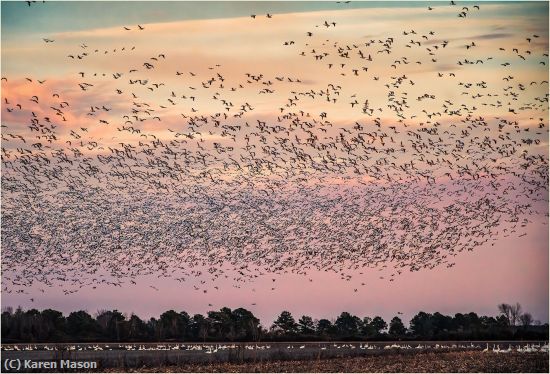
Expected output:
(526, 319)
(505, 309)
(515, 313)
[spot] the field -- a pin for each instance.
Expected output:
(295, 357)
(471, 361)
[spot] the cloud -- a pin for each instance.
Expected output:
(492, 36)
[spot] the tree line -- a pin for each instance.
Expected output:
(33, 326)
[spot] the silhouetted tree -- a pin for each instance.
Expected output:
(397, 328)
(347, 325)
(366, 328)
(526, 319)
(241, 324)
(110, 323)
(185, 325)
(421, 325)
(515, 313)
(324, 328)
(82, 326)
(378, 324)
(502, 321)
(306, 325)
(154, 329)
(136, 329)
(473, 319)
(221, 324)
(54, 324)
(506, 310)
(173, 325)
(30, 325)
(246, 325)
(487, 322)
(199, 327)
(442, 324)
(285, 324)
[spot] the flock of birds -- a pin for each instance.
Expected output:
(213, 348)
(228, 194)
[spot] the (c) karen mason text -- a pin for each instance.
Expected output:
(17, 364)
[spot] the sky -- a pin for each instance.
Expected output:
(153, 65)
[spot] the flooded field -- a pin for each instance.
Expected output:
(213, 355)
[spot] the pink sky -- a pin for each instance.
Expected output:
(513, 270)
(508, 269)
